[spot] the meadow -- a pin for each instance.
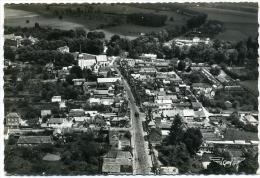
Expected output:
(238, 23)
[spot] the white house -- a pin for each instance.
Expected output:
(102, 60)
(56, 99)
(86, 60)
(165, 99)
(108, 80)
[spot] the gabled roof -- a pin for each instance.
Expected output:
(167, 97)
(86, 56)
(12, 115)
(188, 113)
(55, 120)
(101, 92)
(196, 104)
(199, 113)
(108, 80)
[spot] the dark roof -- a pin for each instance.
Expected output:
(34, 140)
(196, 104)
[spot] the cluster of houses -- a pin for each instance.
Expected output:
(106, 108)
(161, 92)
(185, 42)
(164, 95)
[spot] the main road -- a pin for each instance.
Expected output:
(140, 153)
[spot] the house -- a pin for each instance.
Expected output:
(62, 105)
(56, 99)
(196, 105)
(203, 88)
(86, 60)
(91, 113)
(63, 73)
(102, 93)
(148, 56)
(188, 113)
(49, 67)
(171, 113)
(55, 122)
(166, 99)
(13, 120)
(228, 104)
(92, 85)
(120, 122)
(79, 81)
(88, 64)
(117, 162)
(171, 76)
(104, 71)
(155, 136)
(249, 119)
(199, 115)
(102, 60)
(94, 101)
(64, 49)
(76, 112)
(147, 71)
(118, 139)
(107, 101)
(110, 80)
(169, 170)
(34, 140)
(45, 113)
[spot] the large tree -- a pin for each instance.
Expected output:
(176, 131)
(176, 155)
(192, 139)
(249, 165)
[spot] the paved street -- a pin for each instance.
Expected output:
(140, 155)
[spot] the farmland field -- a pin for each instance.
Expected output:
(18, 16)
(238, 24)
(15, 17)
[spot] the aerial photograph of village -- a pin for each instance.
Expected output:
(131, 89)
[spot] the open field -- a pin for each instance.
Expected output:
(238, 24)
(252, 85)
(18, 16)
(15, 17)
